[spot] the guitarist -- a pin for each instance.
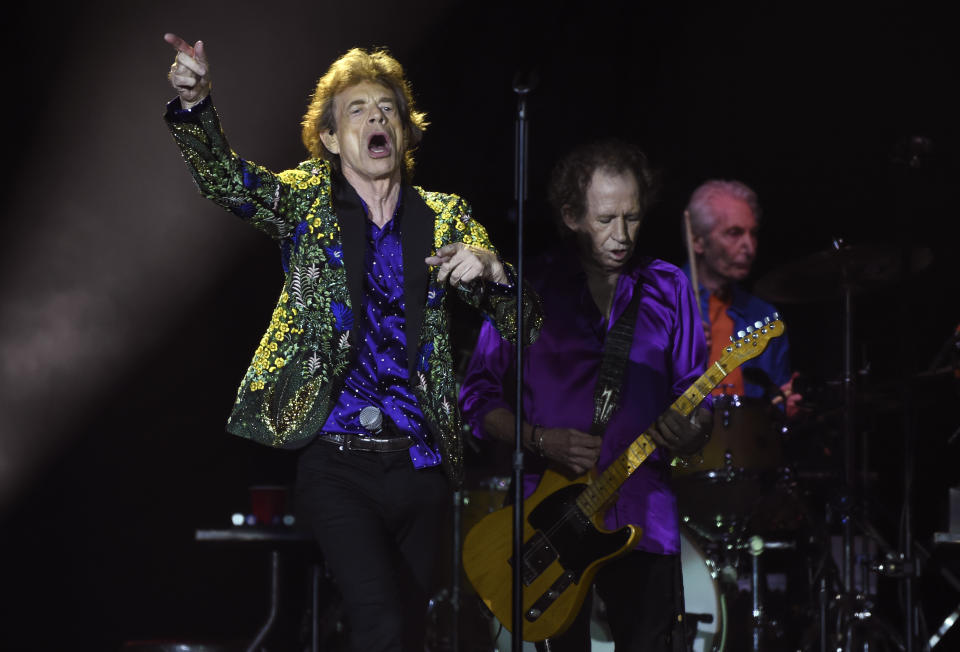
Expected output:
(600, 192)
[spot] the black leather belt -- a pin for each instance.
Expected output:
(361, 443)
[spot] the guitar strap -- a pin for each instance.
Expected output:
(616, 352)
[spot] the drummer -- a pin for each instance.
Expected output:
(723, 219)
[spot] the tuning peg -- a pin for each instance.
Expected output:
(766, 320)
(732, 339)
(776, 315)
(741, 334)
(749, 329)
(758, 324)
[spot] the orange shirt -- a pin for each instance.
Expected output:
(721, 328)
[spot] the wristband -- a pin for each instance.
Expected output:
(537, 441)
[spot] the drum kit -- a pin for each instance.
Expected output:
(792, 559)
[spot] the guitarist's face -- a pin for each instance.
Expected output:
(607, 231)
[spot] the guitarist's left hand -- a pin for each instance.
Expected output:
(683, 435)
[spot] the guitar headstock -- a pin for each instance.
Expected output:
(751, 342)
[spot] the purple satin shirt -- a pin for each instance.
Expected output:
(378, 375)
(669, 352)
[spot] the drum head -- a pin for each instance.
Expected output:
(704, 604)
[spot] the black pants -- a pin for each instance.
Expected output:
(643, 594)
(377, 520)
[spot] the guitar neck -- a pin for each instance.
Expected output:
(598, 493)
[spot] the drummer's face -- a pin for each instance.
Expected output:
(729, 248)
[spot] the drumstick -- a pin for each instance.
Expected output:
(692, 259)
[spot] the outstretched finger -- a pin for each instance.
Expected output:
(436, 260)
(450, 250)
(179, 44)
(201, 54)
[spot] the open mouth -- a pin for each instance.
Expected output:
(378, 145)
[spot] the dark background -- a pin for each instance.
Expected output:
(130, 306)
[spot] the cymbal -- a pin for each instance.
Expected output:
(826, 274)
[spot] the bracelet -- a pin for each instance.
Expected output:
(537, 441)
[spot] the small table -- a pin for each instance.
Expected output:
(274, 538)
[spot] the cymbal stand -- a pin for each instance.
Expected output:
(852, 606)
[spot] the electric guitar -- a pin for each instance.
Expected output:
(563, 541)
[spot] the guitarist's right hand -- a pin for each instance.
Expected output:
(573, 449)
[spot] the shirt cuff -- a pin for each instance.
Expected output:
(176, 113)
(502, 289)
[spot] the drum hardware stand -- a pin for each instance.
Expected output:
(448, 595)
(761, 623)
(853, 608)
(455, 580)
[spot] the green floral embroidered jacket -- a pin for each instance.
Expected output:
(302, 358)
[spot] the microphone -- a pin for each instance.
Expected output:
(371, 418)
(526, 79)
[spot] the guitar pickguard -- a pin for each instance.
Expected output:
(565, 533)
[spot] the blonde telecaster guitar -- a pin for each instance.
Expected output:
(563, 541)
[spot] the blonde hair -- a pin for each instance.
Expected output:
(354, 67)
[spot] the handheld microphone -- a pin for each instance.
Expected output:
(371, 418)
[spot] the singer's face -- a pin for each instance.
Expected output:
(607, 232)
(730, 247)
(369, 137)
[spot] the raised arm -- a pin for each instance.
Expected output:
(274, 203)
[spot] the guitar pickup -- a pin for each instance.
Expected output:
(555, 591)
(537, 553)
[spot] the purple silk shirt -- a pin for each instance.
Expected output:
(378, 375)
(669, 352)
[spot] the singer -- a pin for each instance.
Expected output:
(370, 263)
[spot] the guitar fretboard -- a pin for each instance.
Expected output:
(598, 493)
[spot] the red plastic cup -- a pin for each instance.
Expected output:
(268, 503)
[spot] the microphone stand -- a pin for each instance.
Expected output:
(522, 85)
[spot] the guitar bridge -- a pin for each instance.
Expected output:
(544, 601)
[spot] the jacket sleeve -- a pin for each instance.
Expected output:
(274, 203)
(497, 302)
